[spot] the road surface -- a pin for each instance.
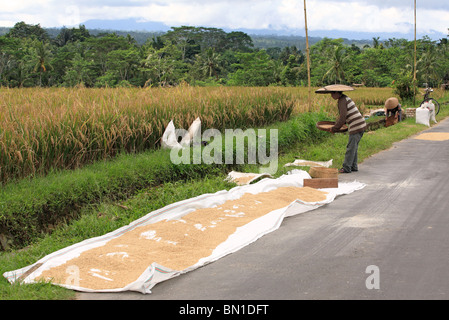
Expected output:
(389, 240)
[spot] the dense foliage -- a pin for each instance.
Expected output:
(206, 56)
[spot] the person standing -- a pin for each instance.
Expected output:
(348, 114)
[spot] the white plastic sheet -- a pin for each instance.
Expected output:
(242, 178)
(309, 163)
(155, 272)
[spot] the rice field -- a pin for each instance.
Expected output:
(47, 128)
(42, 129)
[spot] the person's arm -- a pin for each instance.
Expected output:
(342, 110)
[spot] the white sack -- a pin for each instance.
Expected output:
(429, 105)
(169, 138)
(194, 131)
(244, 235)
(423, 116)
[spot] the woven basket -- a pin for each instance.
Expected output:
(324, 125)
(321, 172)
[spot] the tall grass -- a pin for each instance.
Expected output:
(42, 129)
(63, 128)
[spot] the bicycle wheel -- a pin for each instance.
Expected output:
(436, 104)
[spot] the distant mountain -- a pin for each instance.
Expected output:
(134, 25)
(262, 38)
(359, 35)
(126, 25)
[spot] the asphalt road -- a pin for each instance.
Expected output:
(389, 240)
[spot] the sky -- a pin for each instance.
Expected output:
(346, 16)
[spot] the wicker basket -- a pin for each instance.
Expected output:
(321, 172)
(326, 125)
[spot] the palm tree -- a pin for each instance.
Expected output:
(41, 59)
(21, 73)
(429, 65)
(377, 44)
(6, 64)
(211, 62)
(337, 59)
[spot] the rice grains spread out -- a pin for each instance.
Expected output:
(309, 164)
(433, 136)
(175, 244)
(243, 180)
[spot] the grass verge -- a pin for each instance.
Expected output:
(110, 214)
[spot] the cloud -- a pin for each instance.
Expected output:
(375, 16)
(428, 4)
(356, 16)
(223, 14)
(347, 15)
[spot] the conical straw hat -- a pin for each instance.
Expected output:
(391, 103)
(334, 88)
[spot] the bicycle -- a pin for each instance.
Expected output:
(427, 99)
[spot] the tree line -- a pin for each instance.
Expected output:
(29, 57)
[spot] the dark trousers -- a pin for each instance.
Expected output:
(350, 163)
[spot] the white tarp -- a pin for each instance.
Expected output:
(309, 163)
(243, 236)
(241, 178)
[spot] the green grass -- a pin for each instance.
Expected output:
(110, 214)
(31, 207)
(97, 220)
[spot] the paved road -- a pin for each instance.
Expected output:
(399, 223)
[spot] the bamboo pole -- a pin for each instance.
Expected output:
(308, 57)
(414, 68)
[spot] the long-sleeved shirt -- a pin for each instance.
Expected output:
(349, 114)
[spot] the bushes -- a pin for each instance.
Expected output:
(405, 87)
